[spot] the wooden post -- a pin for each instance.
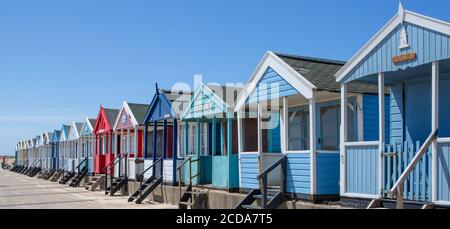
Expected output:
(284, 125)
(240, 139)
(399, 197)
(260, 144)
(381, 129)
(213, 136)
(165, 138)
(198, 138)
(434, 126)
(175, 150)
(145, 153)
(343, 139)
(155, 144)
(229, 146)
(186, 138)
(312, 142)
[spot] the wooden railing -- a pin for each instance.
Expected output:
(110, 166)
(141, 175)
(180, 175)
(85, 162)
(397, 188)
(262, 177)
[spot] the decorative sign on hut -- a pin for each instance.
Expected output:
(403, 58)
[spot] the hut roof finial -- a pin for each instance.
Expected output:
(401, 10)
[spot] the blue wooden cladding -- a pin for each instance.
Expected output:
(327, 173)
(362, 169)
(269, 83)
(429, 46)
(370, 117)
(298, 173)
(248, 170)
(443, 172)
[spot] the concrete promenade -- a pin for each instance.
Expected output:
(23, 192)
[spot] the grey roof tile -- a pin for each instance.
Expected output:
(111, 115)
(139, 111)
(320, 72)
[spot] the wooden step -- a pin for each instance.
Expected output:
(251, 207)
(186, 203)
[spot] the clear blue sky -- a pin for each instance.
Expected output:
(59, 60)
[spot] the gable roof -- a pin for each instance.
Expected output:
(305, 74)
(49, 137)
(56, 136)
(401, 17)
(75, 130)
(135, 111)
(171, 104)
(65, 130)
(138, 111)
(92, 121)
(223, 97)
(109, 116)
(88, 127)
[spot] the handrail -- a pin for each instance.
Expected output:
(180, 177)
(262, 177)
(183, 163)
(111, 165)
(397, 189)
(272, 167)
(141, 176)
(84, 161)
(34, 162)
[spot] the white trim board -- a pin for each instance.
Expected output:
(401, 16)
(270, 59)
(357, 195)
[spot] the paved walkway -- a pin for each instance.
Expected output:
(20, 191)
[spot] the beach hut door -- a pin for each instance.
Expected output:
(271, 147)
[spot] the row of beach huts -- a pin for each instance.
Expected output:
(371, 132)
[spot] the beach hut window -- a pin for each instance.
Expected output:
(149, 152)
(91, 147)
(132, 145)
(329, 122)
(124, 144)
(101, 146)
(182, 141)
(351, 122)
(192, 140)
(250, 134)
(159, 143)
(234, 139)
(298, 129)
(204, 139)
(271, 135)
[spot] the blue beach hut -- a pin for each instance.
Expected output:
(410, 56)
(161, 138)
(289, 117)
(209, 139)
(55, 150)
(87, 143)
